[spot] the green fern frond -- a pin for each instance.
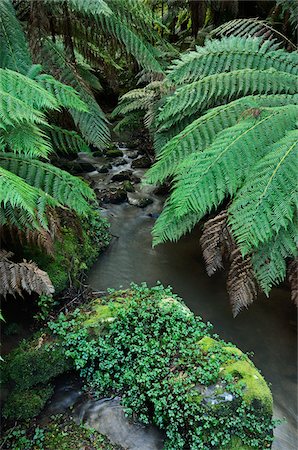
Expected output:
(89, 7)
(202, 131)
(169, 227)
(269, 260)
(267, 200)
(66, 141)
(92, 124)
(247, 28)
(14, 85)
(14, 52)
(133, 44)
(56, 183)
(290, 7)
(230, 54)
(65, 95)
(27, 139)
(219, 88)
(206, 178)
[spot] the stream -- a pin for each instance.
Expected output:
(267, 328)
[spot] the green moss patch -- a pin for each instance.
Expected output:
(26, 404)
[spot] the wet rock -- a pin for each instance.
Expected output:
(105, 168)
(162, 189)
(120, 162)
(122, 176)
(114, 153)
(98, 153)
(107, 417)
(141, 163)
(140, 202)
(128, 186)
(86, 167)
(133, 154)
(114, 195)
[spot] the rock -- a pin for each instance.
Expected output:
(133, 154)
(114, 153)
(141, 163)
(162, 189)
(140, 202)
(97, 154)
(122, 176)
(128, 186)
(120, 162)
(105, 168)
(86, 167)
(114, 195)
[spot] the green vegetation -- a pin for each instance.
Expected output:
(124, 343)
(60, 433)
(225, 115)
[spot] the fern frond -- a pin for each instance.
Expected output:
(56, 183)
(202, 131)
(251, 28)
(290, 7)
(16, 88)
(169, 227)
(27, 139)
(241, 282)
(267, 200)
(65, 95)
(14, 52)
(269, 259)
(25, 276)
(66, 141)
(214, 239)
(89, 7)
(92, 124)
(133, 44)
(230, 54)
(206, 178)
(220, 88)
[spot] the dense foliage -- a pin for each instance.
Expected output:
(150, 354)
(229, 119)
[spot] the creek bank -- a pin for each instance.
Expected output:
(123, 343)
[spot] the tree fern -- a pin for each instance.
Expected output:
(14, 52)
(56, 183)
(219, 88)
(202, 131)
(207, 177)
(66, 141)
(231, 54)
(269, 260)
(92, 124)
(261, 209)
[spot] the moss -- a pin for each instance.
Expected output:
(99, 313)
(65, 435)
(113, 153)
(26, 404)
(256, 391)
(34, 362)
(81, 242)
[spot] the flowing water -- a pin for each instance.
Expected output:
(267, 328)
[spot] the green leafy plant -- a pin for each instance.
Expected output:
(231, 121)
(146, 346)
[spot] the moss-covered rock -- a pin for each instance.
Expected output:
(26, 404)
(80, 243)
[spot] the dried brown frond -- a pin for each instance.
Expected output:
(292, 275)
(241, 283)
(25, 276)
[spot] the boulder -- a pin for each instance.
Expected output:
(122, 176)
(140, 202)
(119, 162)
(105, 168)
(141, 163)
(113, 195)
(114, 153)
